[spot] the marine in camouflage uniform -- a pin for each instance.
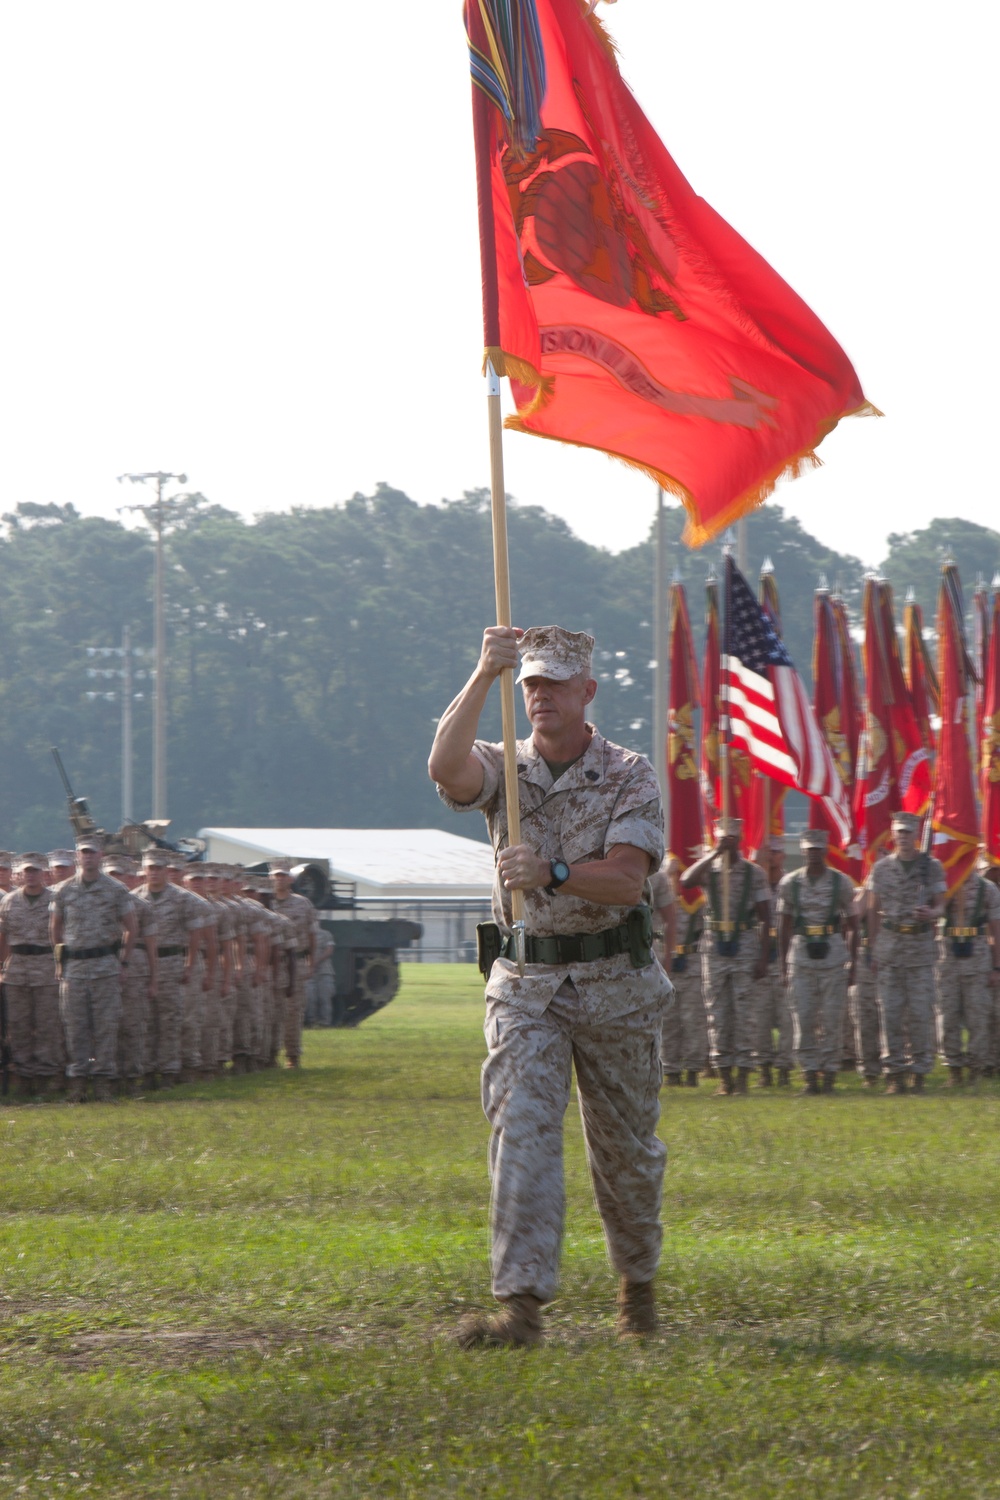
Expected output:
(814, 904)
(181, 919)
(967, 975)
(862, 1000)
(302, 914)
(592, 994)
(906, 891)
(89, 916)
(137, 990)
(684, 1036)
(772, 1005)
(34, 1025)
(734, 952)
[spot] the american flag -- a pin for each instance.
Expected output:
(767, 707)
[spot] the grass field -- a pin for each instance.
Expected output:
(248, 1290)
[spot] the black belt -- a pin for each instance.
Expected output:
(30, 950)
(816, 932)
(683, 948)
(106, 952)
(907, 929)
(952, 932)
(302, 953)
(572, 947)
(174, 952)
(728, 929)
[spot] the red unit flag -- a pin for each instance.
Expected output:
(685, 835)
(920, 677)
(989, 758)
(834, 703)
(954, 816)
(630, 317)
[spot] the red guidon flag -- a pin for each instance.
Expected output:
(711, 703)
(631, 317)
(954, 817)
(876, 787)
(989, 757)
(835, 706)
(767, 708)
(913, 769)
(685, 835)
(920, 677)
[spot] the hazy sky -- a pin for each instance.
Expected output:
(240, 241)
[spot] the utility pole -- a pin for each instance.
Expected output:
(660, 649)
(127, 808)
(156, 513)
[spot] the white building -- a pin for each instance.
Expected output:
(435, 878)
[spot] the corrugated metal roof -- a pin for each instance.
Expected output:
(376, 856)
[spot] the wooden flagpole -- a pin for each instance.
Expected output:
(483, 137)
(724, 742)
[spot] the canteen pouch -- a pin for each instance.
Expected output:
(680, 963)
(817, 947)
(489, 946)
(728, 947)
(640, 936)
(962, 947)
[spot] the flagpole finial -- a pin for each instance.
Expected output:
(822, 587)
(766, 568)
(677, 576)
(911, 595)
(980, 587)
(995, 584)
(711, 578)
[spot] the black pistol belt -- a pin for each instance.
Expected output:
(822, 931)
(177, 951)
(572, 947)
(31, 950)
(906, 929)
(951, 932)
(683, 948)
(104, 952)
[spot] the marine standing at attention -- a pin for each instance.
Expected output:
(592, 995)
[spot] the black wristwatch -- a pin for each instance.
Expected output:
(560, 874)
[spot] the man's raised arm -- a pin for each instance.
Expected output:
(452, 765)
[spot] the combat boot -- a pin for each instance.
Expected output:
(518, 1325)
(766, 1080)
(742, 1080)
(76, 1092)
(829, 1079)
(691, 1078)
(954, 1078)
(784, 1078)
(812, 1082)
(896, 1083)
(672, 1080)
(636, 1309)
(872, 1080)
(725, 1076)
(917, 1083)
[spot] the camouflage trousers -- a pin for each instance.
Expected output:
(728, 987)
(293, 1011)
(191, 1021)
(270, 1037)
(965, 999)
(863, 1008)
(819, 998)
(134, 1023)
(684, 1032)
(34, 1030)
(166, 1016)
(91, 1009)
(211, 1027)
(526, 1090)
(229, 1006)
(248, 1020)
(772, 1021)
(906, 1015)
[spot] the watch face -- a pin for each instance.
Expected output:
(560, 872)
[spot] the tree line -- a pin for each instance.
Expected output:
(310, 652)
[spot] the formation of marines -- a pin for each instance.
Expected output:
(122, 978)
(807, 970)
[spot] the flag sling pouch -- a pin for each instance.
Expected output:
(963, 945)
(818, 942)
(489, 946)
(730, 947)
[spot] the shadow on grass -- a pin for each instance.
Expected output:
(859, 1353)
